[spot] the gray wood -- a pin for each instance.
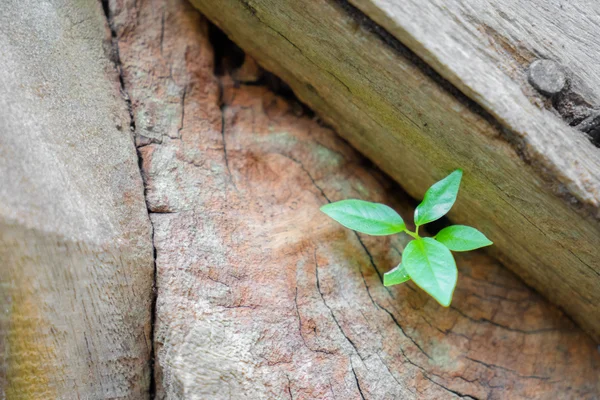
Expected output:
(537, 198)
(504, 35)
(76, 258)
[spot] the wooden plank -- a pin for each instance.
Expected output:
(503, 37)
(261, 296)
(417, 127)
(485, 48)
(76, 257)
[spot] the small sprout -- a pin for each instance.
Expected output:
(427, 261)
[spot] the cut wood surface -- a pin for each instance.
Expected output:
(76, 262)
(261, 296)
(531, 181)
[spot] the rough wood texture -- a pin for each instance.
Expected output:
(417, 127)
(76, 262)
(260, 296)
(502, 39)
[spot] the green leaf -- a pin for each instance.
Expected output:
(462, 238)
(396, 276)
(438, 199)
(366, 217)
(431, 266)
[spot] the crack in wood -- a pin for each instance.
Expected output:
(132, 126)
(362, 396)
(330, 310)
(223, 107)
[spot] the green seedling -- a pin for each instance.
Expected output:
(427, 261)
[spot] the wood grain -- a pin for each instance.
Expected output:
(76, 258)
(485, 47)
(261, 296)
(417, 127)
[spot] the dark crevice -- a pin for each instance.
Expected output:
(461, 395)
(228, 55)
(578, 113)
(308, 174)
(289, 388)
(301, 52)
(369, 255)
(390, 372)
(508, 328)
(116, 59)
(229, 58)
(426, 376)
(367, 287)
(374, 265)
(402, 330)
(372, 27)
(362, 396)
(223, 107)
(494, 366)
(182, 102)
(300, 330)
(572, 107)
(162, 31)
(329, 308)
(434, 227)
(591, 126)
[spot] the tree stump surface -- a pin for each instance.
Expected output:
(445, 85)
(260, 295)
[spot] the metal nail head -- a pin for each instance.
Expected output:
(547, 77)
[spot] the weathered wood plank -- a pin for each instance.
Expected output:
(503, 37)
(417, 127)
(261, 296)
(485, 48)
(76, 258)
